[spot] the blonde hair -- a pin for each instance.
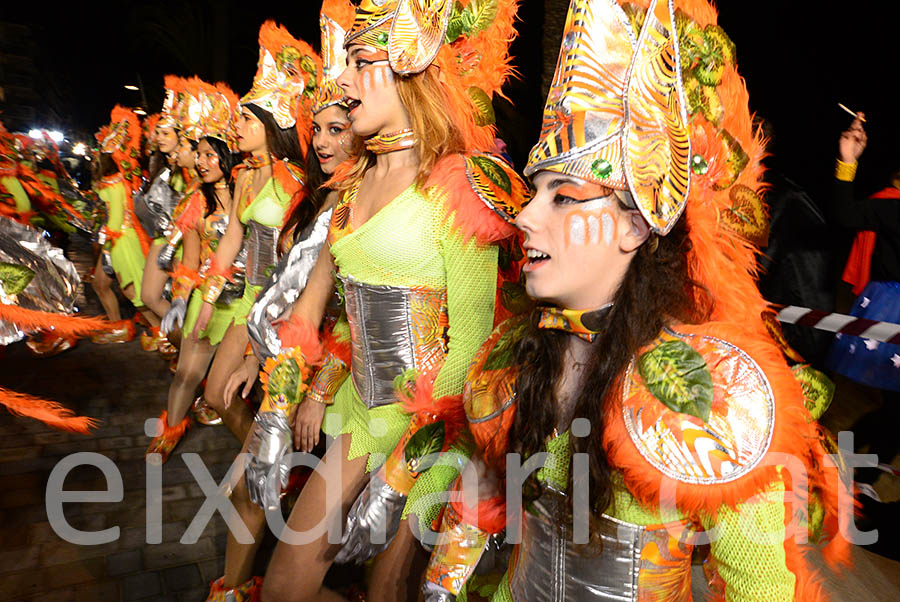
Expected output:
(443, 120)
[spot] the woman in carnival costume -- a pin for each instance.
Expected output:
(201, 228)
(162, 194)
(332, 144)
(412, 241)
(647, 375)
(121, 238)
(269, 185)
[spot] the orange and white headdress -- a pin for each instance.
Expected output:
(169, 112)
(190, 107)
(647, 99)
(122, 139)
(467, 39)
(286, 75)
(218, 106)
(334, 21)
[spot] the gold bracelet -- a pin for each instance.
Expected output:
(845, 172)
(212, 287)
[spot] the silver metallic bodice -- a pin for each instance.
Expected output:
(155, 204)
(261, 243)
(234, 287)
(387, 335)
(550, 568)
(284, 287)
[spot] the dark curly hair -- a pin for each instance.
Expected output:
(227, 162)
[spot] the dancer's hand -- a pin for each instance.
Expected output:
(853, 140)
(203, 319)
(174, 318)
(372, 522)
(308, 424)
(246, 375)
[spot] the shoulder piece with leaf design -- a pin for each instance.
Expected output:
(698, 408)
(483, 194)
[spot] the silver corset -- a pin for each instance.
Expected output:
(262, 252)
(154, 205)
(550, 568)
(392, 329)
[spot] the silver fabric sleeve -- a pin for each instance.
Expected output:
(154, 205)
(167, 253)
(284, 287)
(267, 472)
(52, 281)
(372, 522)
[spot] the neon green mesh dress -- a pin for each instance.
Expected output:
(411, 286)
(126, 254)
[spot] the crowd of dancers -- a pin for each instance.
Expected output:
(424, 318)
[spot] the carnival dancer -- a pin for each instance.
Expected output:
(269, 184)
(122, 241)
(201, 227)
(332, 145)
(411, 240)
(189, 101)
(648, 361)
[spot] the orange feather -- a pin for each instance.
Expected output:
(50, 413)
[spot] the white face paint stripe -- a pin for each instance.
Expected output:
(594, 229)
(379, 77)
(576, 230)
(609, 227)
(367, 82)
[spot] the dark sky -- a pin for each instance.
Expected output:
(798, 64)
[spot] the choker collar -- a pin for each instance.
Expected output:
(255, 162)
(388, 143)
(585, 324)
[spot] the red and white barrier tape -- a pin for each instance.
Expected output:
(884, 332)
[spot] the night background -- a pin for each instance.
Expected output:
(65, 68)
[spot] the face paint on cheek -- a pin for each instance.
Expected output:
(591, 226)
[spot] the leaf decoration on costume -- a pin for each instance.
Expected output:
(747, 216)
(284, 381)
(703, 98)
(818, 389)
(705, 51)
(422, 448)
(493, 172)
(514, 298)
(470, 20)
(677, 375)
(485, 109)
(503, 354)
(735, 162)
(14, 278)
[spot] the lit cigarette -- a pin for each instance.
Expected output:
(851, 112)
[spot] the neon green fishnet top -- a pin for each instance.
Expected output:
(410, 243)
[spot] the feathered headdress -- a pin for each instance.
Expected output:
(287, 74)
(122, 139)
(218, 106)
(334, 21)
(190, 107)
(169, 112)
(647, 99)
(468, 39)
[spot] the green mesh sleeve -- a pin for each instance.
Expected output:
(748, 550)
(14, 187)
(114, 197)
(471, 288)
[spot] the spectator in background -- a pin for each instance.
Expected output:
(874, 270)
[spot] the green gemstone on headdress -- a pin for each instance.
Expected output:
(699, 165)
(382, 38)
(601, 168)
